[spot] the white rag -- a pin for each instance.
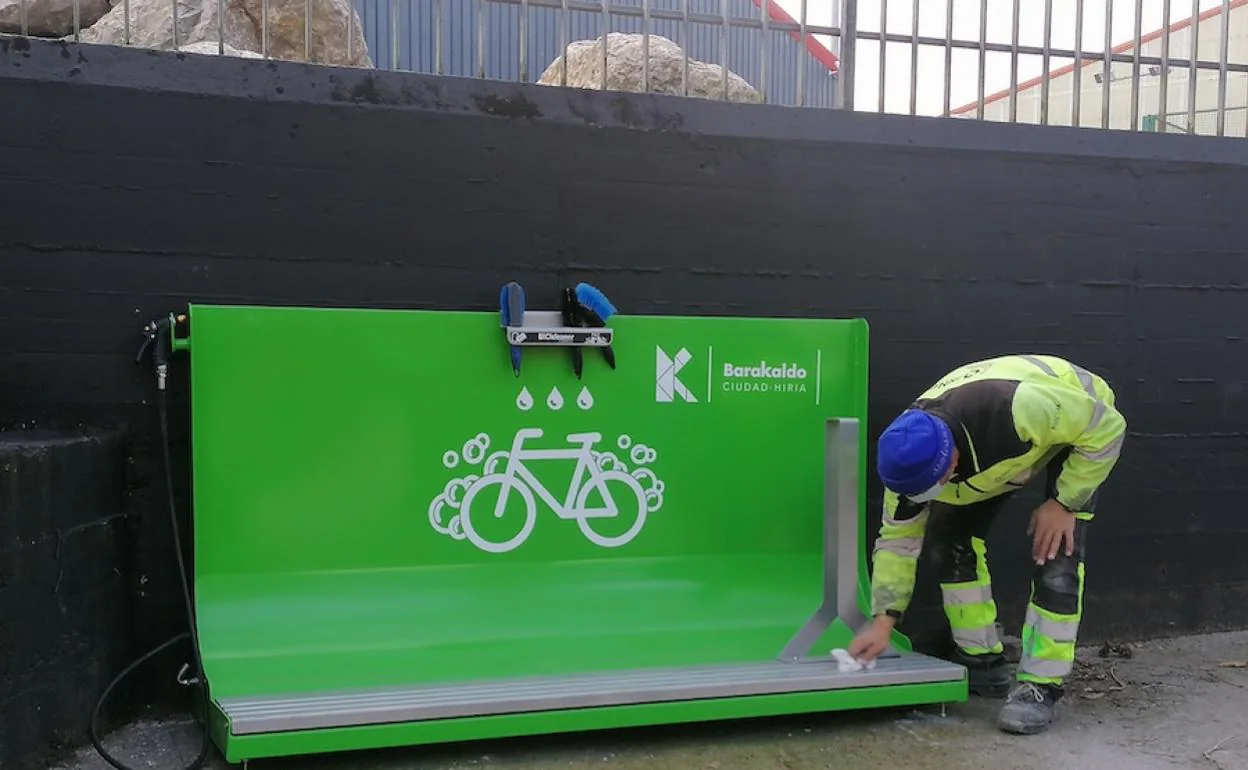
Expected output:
(846, 662)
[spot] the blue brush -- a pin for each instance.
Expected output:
(597, 309)
(511, 310)
(595, 304)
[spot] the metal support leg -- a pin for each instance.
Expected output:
(840, 541)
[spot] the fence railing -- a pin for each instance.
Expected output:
(1110, 64)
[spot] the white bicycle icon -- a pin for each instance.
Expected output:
(519, 478)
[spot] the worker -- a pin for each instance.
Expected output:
(948, 463)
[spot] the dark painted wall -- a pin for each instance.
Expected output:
(66, 557)
(133, 182)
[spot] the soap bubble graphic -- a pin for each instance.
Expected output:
(641, 456)
(473, 452)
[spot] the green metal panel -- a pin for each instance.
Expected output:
(348, 466)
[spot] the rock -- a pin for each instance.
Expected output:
(49, 18)
(330, 22)
(210, 47)
(151, 27)
(624, 69)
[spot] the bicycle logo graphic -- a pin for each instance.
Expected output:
(621, 491)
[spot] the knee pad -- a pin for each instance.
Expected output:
(1057, 586)
(954, 560)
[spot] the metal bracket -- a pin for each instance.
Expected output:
(183, 679)
(841, 554)
(544, 328)
(179, 344)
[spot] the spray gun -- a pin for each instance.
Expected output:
(511, 312)
(158, 337)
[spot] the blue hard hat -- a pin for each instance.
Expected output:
(914, 452)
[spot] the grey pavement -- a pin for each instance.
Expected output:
(1172, 704)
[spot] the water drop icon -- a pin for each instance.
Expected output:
(524, 401)
(555, 399)
(586, 399)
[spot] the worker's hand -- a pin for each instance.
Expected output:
(872, 640)
(1050, 526)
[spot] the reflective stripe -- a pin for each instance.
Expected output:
(1099, 407)
(1049, 669)
(1043, 366)
(1085, 379)
(1098, 411)
(1088, 382)
(970, 608)
(955, 597)
(1049, 641)
(906, 547)
(1057, 630)
(974, 640)
(1111, 451)
(972, 617)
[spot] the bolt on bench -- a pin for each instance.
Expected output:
(400, 541)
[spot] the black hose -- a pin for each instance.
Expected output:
(193, 633)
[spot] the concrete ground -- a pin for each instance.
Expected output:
(1178, 703)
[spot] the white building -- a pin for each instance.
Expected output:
(1208, 47)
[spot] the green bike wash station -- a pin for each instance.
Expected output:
(401, 539)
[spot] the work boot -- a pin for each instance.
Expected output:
(1029, 708)
(988, 675)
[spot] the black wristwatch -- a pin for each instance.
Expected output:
(894, 614)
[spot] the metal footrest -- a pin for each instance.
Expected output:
(271, 714)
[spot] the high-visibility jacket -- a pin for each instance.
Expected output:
(1010, 416)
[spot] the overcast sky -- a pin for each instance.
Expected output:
(932, 21)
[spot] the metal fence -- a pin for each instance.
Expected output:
(511, 40)
(1202, 122)
(1110, 64)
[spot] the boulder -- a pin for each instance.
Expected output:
(49, 18)
(242, 22)
(624, 69)
(330, 34)
(210, 47)
(151, 24)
